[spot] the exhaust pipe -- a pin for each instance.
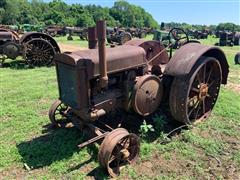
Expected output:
(101, 35)
(92, 38)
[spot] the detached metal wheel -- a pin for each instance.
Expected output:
(119, 148)
(57, 114)
(192, 97)
(39, 52)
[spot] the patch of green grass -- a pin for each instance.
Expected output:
(236, 158)
(76, 41)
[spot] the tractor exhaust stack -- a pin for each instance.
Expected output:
(92, 38)
(101, 35)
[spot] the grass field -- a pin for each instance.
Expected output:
(29, 149)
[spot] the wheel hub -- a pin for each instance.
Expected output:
(125, 153)
(203, 91)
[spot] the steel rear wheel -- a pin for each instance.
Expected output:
(39, 52)
(192, 97)
(118, 149)
(57, 114)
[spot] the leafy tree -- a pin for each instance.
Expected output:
(38, 12)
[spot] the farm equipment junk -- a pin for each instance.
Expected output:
(229, 38)
(173, 38)
(136, 78)
(237, 58)
(38, 49)
(55, 31)
(118, 36)
(81, 32)
(137, 32)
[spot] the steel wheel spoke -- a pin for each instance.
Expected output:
(204, 72)
(198, 78)
(209, 75)
(204, 106)
(211, 83)
(195, 89)
(193, 108)
(198, 108)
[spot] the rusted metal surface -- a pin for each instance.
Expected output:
(133, 56)
(11, 49)
(147, 95)
(38, 52)
(118, 149)
(58, 114)
(31, 35)
(186, 57)
(152, 48)
(15, 35)
(92, 38)
(101, 34)
(93, 140)
(78, 31)
(37, 49)
(95, 82)
(9, 45)
(137, 32)
(118, 36)
(193, 96)
(6, 36)
(55, 30)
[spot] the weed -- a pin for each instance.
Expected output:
(145, 129)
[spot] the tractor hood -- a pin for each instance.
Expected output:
(118, 59)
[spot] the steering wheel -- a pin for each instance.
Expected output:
(179, 40)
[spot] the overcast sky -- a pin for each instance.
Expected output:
(189, 11)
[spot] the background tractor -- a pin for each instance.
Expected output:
(38, 49)
(118, 36)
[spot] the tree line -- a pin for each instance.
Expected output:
(57, 12)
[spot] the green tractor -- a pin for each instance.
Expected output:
(31, 28)
(163, 37)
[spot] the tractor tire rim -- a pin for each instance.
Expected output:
(204, 89)
(39, 52)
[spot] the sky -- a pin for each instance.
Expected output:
(190, 11)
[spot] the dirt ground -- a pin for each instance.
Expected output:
(68, 47)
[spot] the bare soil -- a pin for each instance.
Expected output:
(68, 47)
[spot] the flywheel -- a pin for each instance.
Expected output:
(147, 95)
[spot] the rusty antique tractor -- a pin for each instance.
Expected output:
(38, 49)
(229, 38)
(137, 78)
(55, 31)
(118, 36)
(77, 31)
(137, 32)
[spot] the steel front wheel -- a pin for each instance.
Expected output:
(118, 149)
(57, 114)
(192, 97)
(39, 52)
